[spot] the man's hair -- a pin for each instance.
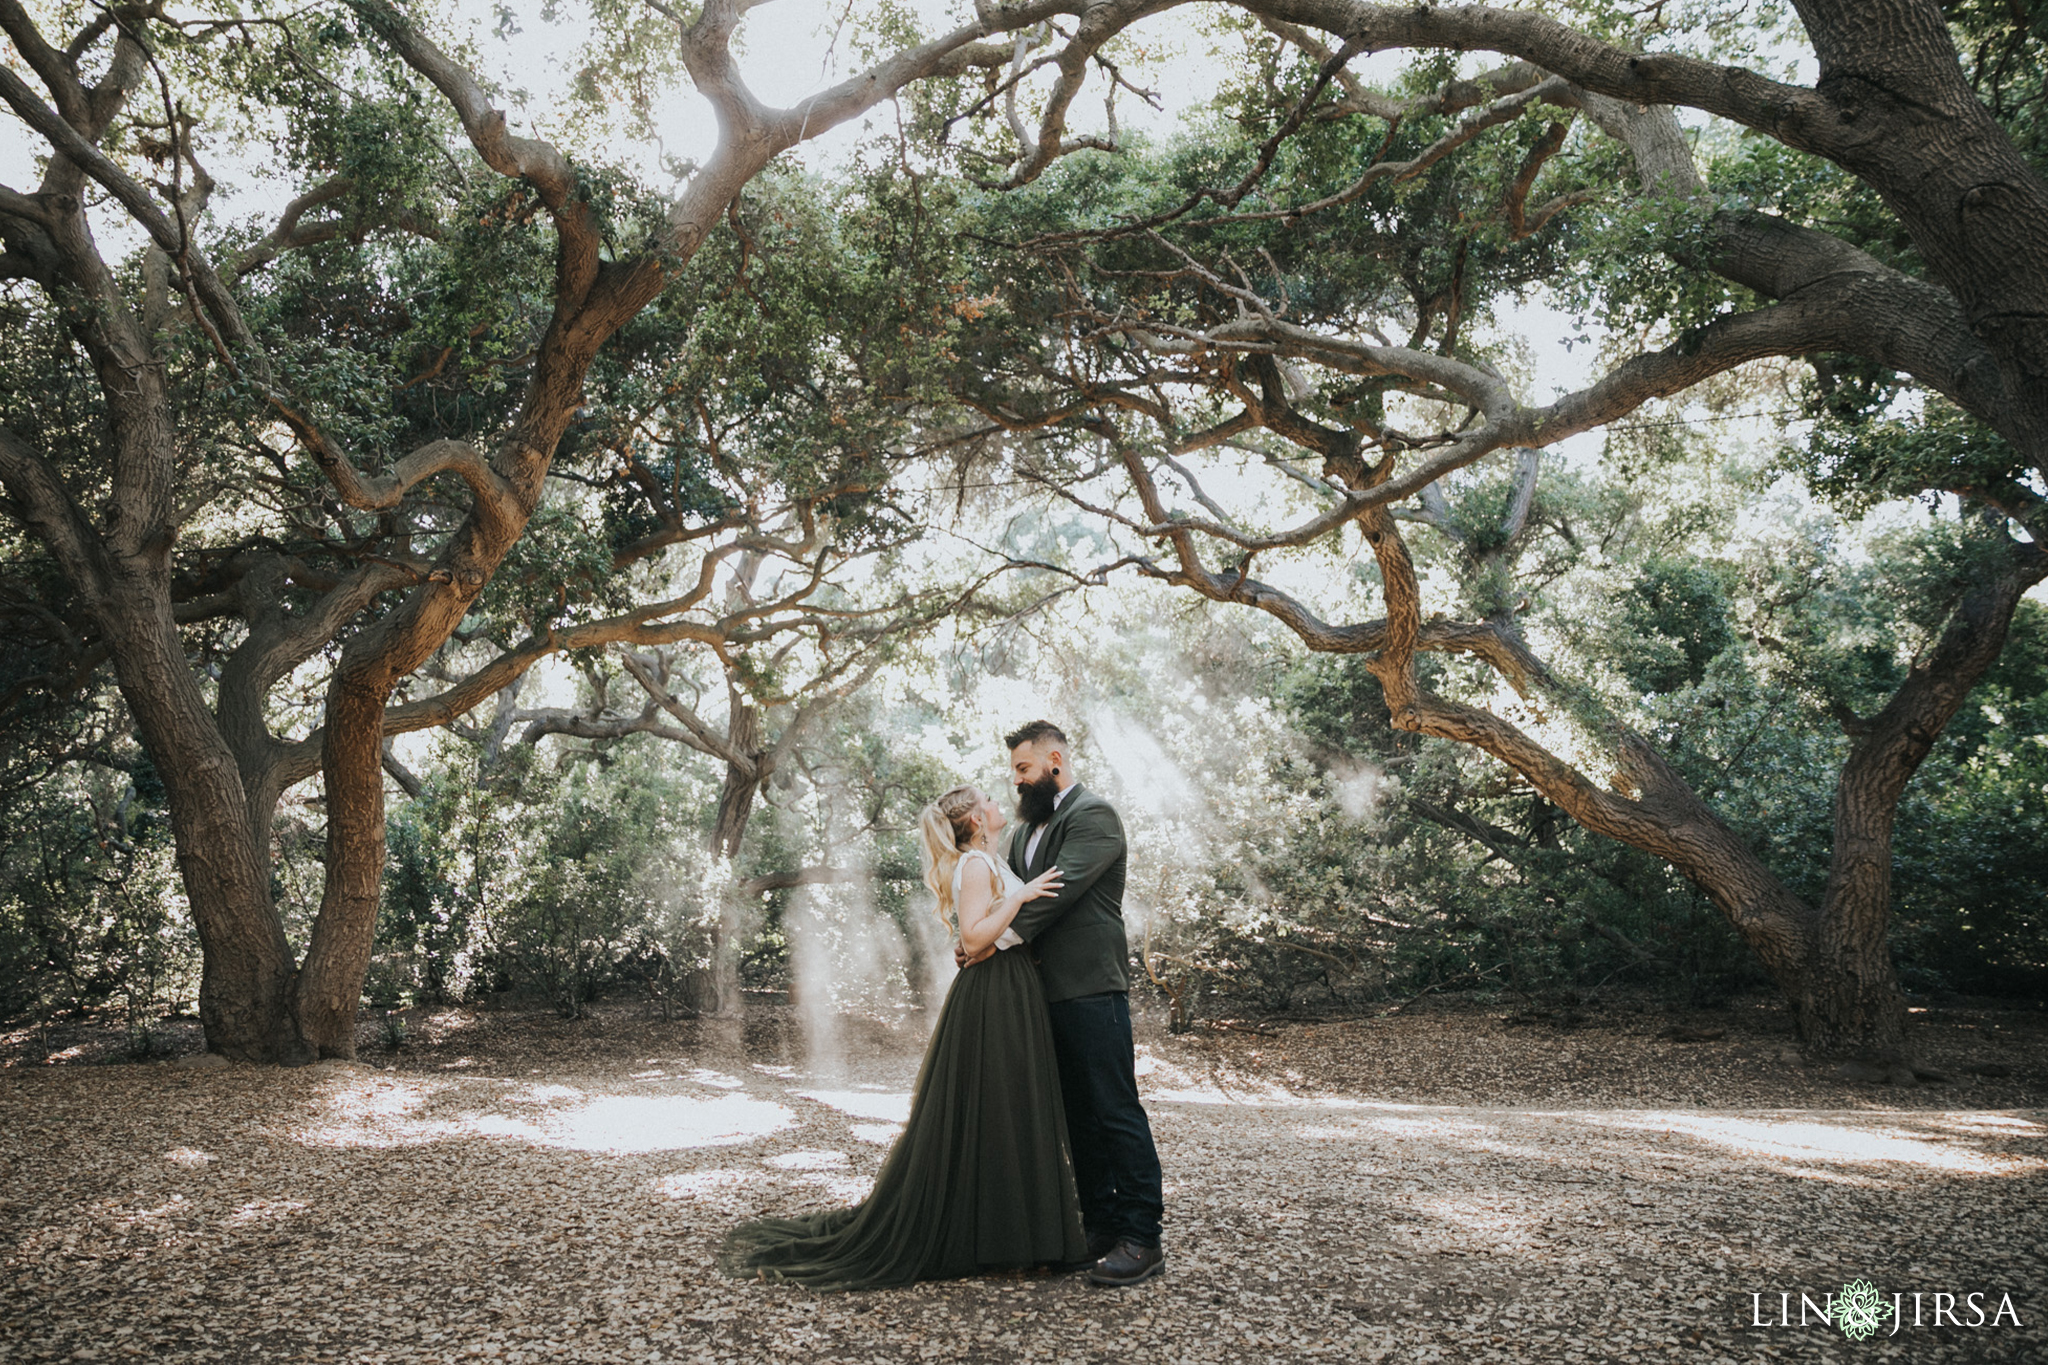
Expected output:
(1037, 732)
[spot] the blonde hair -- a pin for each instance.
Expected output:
(943, 832)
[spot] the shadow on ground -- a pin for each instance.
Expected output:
(522, 1189)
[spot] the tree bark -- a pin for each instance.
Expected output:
(1832, 962)
(120, 568)
(226, 774)
(742, 781)
(1854, 1005)
(1913, 130)
(1892, 106)
(735, 809)
(330, 982)
(245, 982)
(1649, 807)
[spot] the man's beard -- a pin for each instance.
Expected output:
(1035, 800)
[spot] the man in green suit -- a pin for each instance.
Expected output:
(1077, 939)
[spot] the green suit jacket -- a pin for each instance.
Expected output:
(1077, 936)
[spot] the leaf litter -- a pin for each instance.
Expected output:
(1446, 1183)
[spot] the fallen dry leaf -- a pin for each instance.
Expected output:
(1433, 1186)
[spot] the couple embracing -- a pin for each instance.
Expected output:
(1026, 1145)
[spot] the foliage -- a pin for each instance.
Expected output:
(862, 354)
(92, 914)
(509, 874)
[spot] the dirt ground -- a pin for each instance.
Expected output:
(1457, 1182)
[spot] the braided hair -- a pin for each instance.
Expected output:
(943, 833)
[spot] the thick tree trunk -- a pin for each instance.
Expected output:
(742, 781)
(330, 984)
(220, 815)
(120, 566)
(245, 983)
(1913, 129)
(1855, 1006)
(735, 809)
(1852, 1006)
(720, 996)
(1834, 965)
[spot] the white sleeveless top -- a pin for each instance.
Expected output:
(1006, 879)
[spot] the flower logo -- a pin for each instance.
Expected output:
(1859, 1308)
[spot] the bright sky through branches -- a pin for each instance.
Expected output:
(787, 50)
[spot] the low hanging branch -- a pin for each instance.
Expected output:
(411, 568)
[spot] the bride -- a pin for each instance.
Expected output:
(980, 1178)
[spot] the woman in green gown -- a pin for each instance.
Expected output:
(980, 1179)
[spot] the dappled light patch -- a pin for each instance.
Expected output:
(1177, 1084)
(1853, 1148)
(718, 1079)
(1818, 1143)
(894, 1106)
(265, 1211)
(1253, 1094)
(829, 1171)
(559, 1204)
(391, 1113)
(1970, 1122)
(1229, 1080)
(496, 1125)
(376, 1113)
(153, 1217)
(839, 1189)
(1484, 1223)
(692, 1184)
(1428, 1125)
(659, 1123)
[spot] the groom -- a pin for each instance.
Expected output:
(1077, 938)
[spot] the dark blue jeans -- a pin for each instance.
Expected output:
(1116, 1168)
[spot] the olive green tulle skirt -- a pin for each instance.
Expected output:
(980, 1178)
